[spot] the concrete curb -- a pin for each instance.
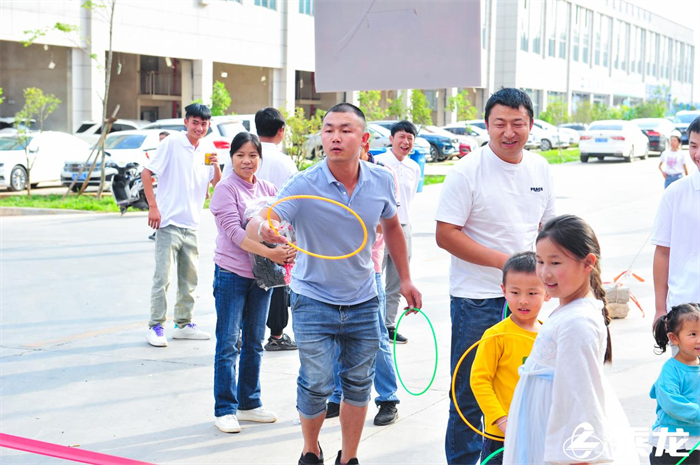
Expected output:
(29, 211)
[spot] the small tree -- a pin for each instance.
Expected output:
(220, 99)
(420, 111)
(462, 103)
(583, 113)
(397, 108)
(37, 106)
(298, 130)
(600, 112)
(557, 112)
(369, 104)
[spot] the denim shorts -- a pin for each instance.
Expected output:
(318, 329)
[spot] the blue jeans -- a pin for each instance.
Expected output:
(671, 178)
(489, 447)
(384, 375)
(320, 327)
(240, 305)
(470, 318)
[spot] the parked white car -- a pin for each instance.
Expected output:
(573, 135)
(614, 138)
(120, 148)
(549, 135)
(48, 152)
(463, 128)
(221, 132)
(90, 131)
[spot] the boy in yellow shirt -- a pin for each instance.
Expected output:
(495, 370)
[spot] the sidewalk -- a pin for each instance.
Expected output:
(75, 368)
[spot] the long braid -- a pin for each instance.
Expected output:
(599, 292)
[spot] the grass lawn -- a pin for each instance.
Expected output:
(84, 202)
(434, 179)
(567, 155)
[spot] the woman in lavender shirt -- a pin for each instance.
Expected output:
(241, 306)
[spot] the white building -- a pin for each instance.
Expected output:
(167, 54)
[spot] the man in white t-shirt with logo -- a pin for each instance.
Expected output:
(403, 136)
(676, 235)
(185, 167)
(492, 205)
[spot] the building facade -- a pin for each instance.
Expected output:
(168, 54)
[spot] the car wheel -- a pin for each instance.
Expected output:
(545, 145)
(434, 154)
(600, 157)
(584, 158)
(18, 178)
(630, 157)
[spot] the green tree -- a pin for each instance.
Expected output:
(369, 104)
(397, 108)
(220, 99)
(299, 129)
(2, 99)
(420, 111)
(599, 112)
(583, 113)
(37, 106)
(104, 9)
(557, 112)
(462, 103)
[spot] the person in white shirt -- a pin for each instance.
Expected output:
(403, 136)
(672, 163)
(185, 167)
(492, 205)
(677, 256)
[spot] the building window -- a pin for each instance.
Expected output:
(633, 50)
(691, 63)
(306, 7)
(550, 24)
(563, 9)
(535, 97)
(577, 32)
(606, 31)
(524, 25)
(587, 20)
(271, 4)
(669, 57)
(484, 20)
(536, 26)
(641, 50)
(624, 44)
(598, 39)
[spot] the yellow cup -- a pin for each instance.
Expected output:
(207, 158)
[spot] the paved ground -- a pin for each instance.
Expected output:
(75, 368)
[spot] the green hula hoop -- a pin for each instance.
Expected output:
(398, 375)
(493, 455)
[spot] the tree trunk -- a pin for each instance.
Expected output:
(105, 100)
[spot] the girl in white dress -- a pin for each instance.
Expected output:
(563, 409)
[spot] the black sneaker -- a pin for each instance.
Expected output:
(352, 461)
(332, 410)
(283, 343)
(399, 338)
(387, 414)
(311, 459)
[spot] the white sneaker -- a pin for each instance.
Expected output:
(191, 331)
(259, 415)
(156, 336)
(228, 424)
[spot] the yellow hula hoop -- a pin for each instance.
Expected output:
(454, 380)
(315, 197)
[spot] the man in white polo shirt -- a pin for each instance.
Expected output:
(185, 167)
(403, 136)
(492, 205)
(676, 236)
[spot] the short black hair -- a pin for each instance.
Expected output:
(244, 137)
(694, 126)
(197, 110)
(345, 107)
(509, 97)
(523, 262)
(405, 126)
(164, 133)
(269, 121)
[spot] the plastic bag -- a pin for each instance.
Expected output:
(269, 274)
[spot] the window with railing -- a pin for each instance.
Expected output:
(271, 4)
(159, 83)
(306, 7)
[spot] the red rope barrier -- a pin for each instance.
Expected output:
(63, 452)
